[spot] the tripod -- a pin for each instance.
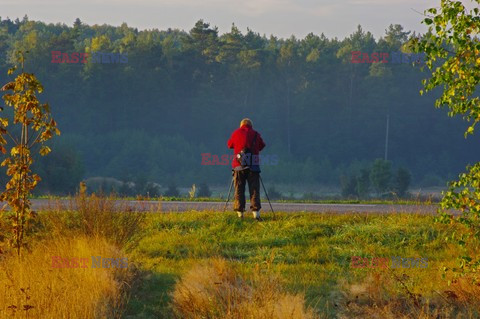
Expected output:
(264, 189)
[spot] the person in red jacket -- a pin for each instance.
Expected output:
(246, 169)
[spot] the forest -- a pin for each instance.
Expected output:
(181, 94)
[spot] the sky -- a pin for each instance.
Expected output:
(282, 18)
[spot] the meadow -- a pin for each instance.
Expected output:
(213, 265)
(309, 255)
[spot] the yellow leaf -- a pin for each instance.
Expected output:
(44, 150)
(14, 151)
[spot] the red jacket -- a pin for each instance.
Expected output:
(241, 138)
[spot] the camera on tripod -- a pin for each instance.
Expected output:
(245, 158)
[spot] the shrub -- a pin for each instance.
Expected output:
(388, 295)
(273, 193)
(381, 175)
(356, 184)
(363, 183)
(172, 190)
(348, 184)
(214, 290)
(94, 215)
(204, 190)
(152, 190)
(402, 181)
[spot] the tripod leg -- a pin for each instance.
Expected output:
(266, 194)
(228, 197)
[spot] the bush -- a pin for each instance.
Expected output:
(61, 171)
(381, 175)
(126, 189)
(172, 190)
(204, 190)
(349, 185)
(363, 183)
(402, 181)
(102, 185)
(273, 194)
(311, 196)
(215, 290)
(101, 216)
(152, 190)
(140, 185)
(432, 180)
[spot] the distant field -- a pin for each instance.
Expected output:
(310, 253)
(373, 201)
(302, 194)
(177, 205)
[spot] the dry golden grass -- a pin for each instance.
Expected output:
(94, 215)
(31, 288)
(386, 295)
(87, 226)
(214, 290)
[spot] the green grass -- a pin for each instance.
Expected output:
(310, 252)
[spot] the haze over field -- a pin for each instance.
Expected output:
(182, 93)
(321, 116)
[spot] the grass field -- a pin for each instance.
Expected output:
(214, 265)
(308, 254)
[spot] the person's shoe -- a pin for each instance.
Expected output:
(256, 215)
(240, 214)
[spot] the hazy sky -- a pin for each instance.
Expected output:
(335, 18)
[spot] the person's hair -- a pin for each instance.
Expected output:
(246, 121)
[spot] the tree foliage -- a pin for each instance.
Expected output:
(30, 124)
(204, 190)
(403, 177)
(183, 92)
(453, 54)
(381, 175)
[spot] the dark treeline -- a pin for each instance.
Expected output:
(182, 93)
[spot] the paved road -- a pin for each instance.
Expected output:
(168, 206)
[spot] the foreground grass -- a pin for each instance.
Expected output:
(31, 288)
(309, 253)
(296, 261)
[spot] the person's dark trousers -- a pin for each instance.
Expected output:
(240, 179)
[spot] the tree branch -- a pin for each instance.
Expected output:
(12, 138)
(34, 141)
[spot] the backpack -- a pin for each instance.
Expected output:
(246, 154)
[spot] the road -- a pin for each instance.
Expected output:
(169, 206)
